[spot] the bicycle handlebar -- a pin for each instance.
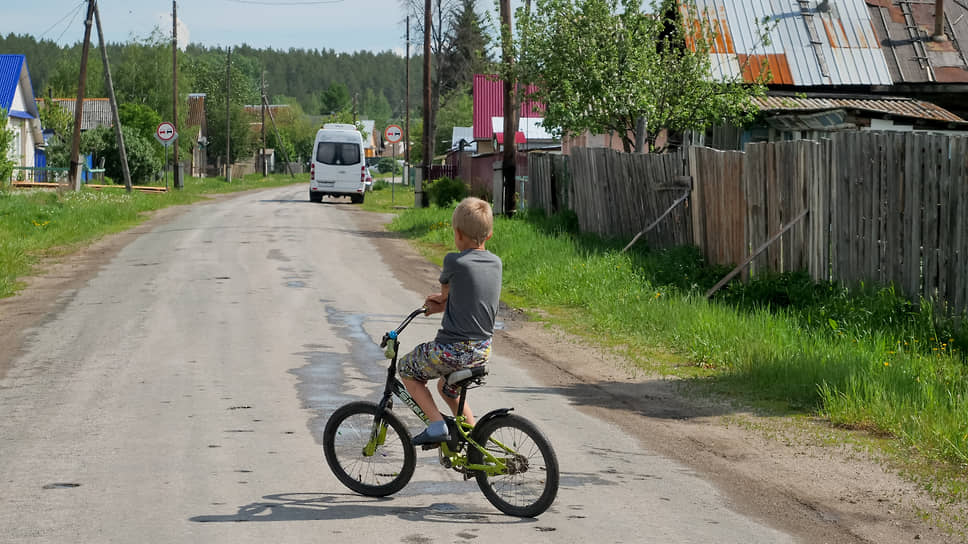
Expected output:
(392, 335)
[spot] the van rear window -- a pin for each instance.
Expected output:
(338, 153)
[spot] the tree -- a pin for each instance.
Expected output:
(209, 72)
(457, 110)
(143, 161)
(607, 66)
(335, 99)
(6, 142)
(139, 117)
(467, 50)
(57, 119)
(295, 129)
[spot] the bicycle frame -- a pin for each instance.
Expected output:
(395, 388)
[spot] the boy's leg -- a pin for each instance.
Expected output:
(414, 369)
(421, 395)
(454, 404)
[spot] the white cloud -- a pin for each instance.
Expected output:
(163, 21)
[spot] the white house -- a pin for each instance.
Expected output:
(21, 115)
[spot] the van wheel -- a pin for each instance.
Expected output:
(315, 197)
(356, 199)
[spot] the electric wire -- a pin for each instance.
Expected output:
(51, 27)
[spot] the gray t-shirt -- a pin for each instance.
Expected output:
(474, 277)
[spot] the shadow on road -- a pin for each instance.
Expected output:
(331, 506)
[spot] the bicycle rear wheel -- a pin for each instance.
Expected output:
(373, 458)
(528, 484)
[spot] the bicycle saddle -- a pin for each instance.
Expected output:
(466, 374)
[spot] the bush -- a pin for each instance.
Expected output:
(445, 190)
(388, 164)
(143, 162)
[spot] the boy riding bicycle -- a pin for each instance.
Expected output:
(470, 288)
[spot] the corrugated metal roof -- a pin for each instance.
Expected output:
(905, 29)
(489, 102)
(11, 67)
(96, 112)
(904, 107)
(810, 45)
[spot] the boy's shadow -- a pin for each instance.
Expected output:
(332, 506)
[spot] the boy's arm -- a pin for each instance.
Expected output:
(436, 302)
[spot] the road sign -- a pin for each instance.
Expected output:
(393, 134)
(166, 134)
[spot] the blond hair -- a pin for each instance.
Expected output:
(473, 217)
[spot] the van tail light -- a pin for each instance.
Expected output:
(363, 174)
(312, 171)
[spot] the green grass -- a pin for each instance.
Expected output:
(39, 223)
(864, 359)
(385, 198)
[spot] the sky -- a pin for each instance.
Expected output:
(341, 25)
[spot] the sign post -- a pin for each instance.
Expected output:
(393, 134)
(166, 135)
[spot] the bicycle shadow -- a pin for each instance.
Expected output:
(344, 506)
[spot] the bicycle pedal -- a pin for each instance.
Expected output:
(426, 447)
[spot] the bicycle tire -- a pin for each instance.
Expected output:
(531, 485)
(346, 435)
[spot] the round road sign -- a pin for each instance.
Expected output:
(393, 134)
(165, 133)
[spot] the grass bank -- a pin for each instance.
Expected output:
(36, 223)
(863, 359)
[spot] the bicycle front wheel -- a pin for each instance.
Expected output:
(370, 455)
(528, 482)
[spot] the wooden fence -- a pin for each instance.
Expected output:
(614, 194)
(885, 208)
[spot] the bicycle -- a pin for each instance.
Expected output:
(370, 451)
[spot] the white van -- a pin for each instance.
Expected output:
(338, 166)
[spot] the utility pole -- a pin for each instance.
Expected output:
(73, 175)
(406, 124)
(428, 138)
(510, 111)
(119, 136)
(262, 155)
(228, 117)
(179, 182)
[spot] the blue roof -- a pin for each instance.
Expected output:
(11, 67)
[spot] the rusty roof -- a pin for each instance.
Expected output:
(905, 29)
(811, 42)
(902, 107)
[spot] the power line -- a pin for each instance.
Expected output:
(69, 25)
(74, 13)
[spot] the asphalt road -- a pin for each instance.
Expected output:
(179, 396)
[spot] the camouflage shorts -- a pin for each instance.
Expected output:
(433, 360)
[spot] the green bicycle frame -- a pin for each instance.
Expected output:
(395, 388)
